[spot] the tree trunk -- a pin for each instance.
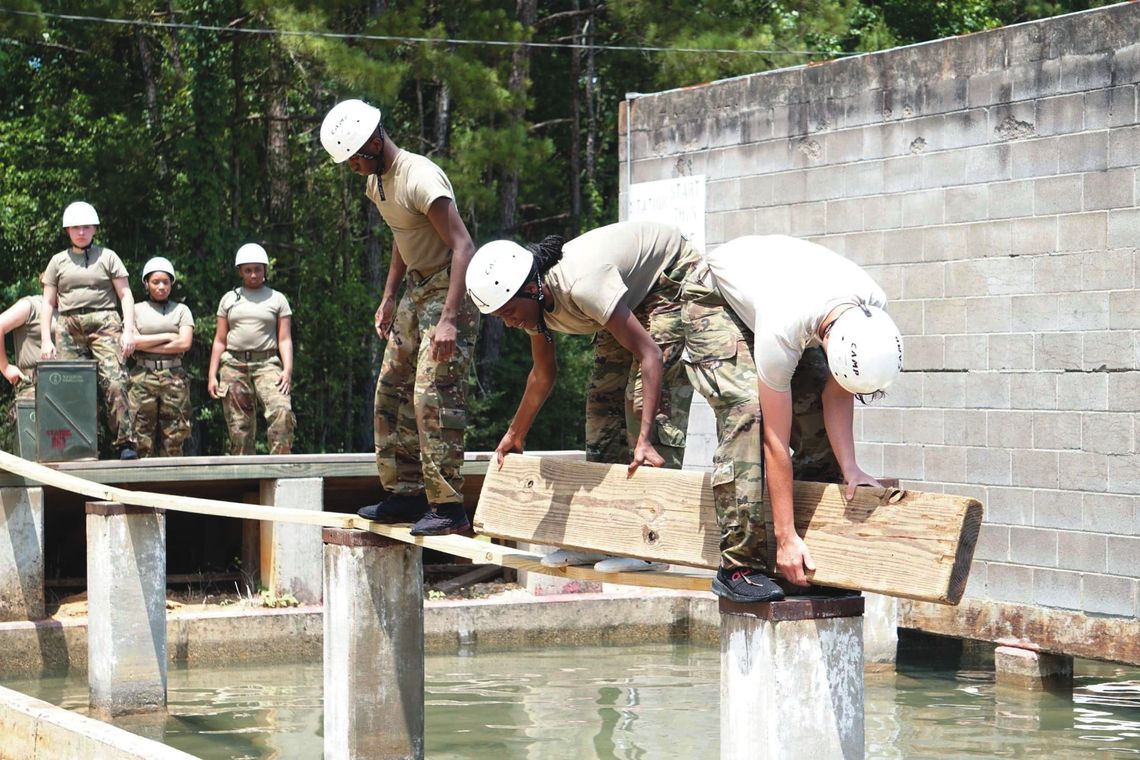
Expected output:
(235, 133)
(591, 99)
(277, 148)
(575, 132)
(442, 118)
(517, 84)
(374, 269)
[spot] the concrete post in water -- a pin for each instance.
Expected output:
(21, 554)
(126, 608)
(1033, 671)
(791, 679)
(881, 631)
(291, 553)
(373, 647)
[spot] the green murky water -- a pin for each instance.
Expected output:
(645, 702)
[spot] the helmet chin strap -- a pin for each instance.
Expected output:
(540, 296)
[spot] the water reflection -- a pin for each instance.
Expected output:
(630, 703)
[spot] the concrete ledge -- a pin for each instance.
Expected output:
(35, 730)
(1112, 639)
(235, 636)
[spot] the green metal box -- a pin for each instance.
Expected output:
(26, 430)
(66, 425)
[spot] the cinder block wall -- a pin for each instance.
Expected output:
(989, 183)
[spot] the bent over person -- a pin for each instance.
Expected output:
(421, 393)
(160, 390)
(253, 355)
(84, 281)
(661, 328)
(822, 339)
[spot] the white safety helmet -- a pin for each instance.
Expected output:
(348, 127)
(79, 214)
(496, 273)
(251, 253)
(864, 349)
(158, 264)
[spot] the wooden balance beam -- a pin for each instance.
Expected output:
(901, 543)
(477, 550)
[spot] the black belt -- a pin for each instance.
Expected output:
(157, 364)
(85, 310)
(253, 356)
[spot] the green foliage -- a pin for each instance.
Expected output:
(167, 133)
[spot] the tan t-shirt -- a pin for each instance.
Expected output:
(167, 317)
(26, 338)
(411, 185)
(619, 263)
(85, 283)
(252, 316)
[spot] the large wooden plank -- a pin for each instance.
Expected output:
(460, 546)
(902, 543)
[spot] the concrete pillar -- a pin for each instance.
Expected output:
(1034, 671)
(291, 553)
(880, 631)
(126, 609)
(373, 647)
(791, 679)
(21, 554)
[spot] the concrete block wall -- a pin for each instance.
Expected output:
(989, 183)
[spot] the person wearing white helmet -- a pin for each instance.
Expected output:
(799, 297)
(420, 407)
(83, 283)
(252, 354)
(660, 331)
(22, 321)
(160, 389)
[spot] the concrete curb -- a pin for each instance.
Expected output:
(35, 730)
(34, 648)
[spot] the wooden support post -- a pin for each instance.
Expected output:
(791, 678)
(21, 554)
(126, 609)
(373, 647)
(290, 553)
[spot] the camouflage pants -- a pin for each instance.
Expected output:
(421, 403)
(160, 403)
(95, 335)
(614, 399)
(26, 390)
(242, 384)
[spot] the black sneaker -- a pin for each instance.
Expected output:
(128, 452)
(745, 585)
(397, 508)
(444, 519)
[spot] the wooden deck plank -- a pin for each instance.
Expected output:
(907, 544)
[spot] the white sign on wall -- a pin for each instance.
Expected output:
(679, 201)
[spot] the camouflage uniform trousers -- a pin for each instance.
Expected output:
(160, 403)
(721, 367)
(421, 403)
(244, 383)
(25, 390)
(614, 399)
(96, 335)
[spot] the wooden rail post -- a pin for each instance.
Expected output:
(126, 608)
(791, 678)
(373, 647)
(21, 554)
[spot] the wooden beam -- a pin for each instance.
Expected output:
(902, 543)
(482, 551)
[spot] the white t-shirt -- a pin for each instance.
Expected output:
(784, 287)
